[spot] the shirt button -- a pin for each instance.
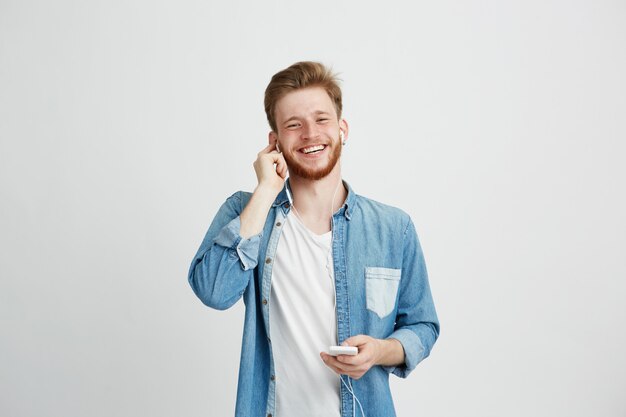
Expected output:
(269, 415)
(264, 301)
(268, 260)
(273, 378)
(286, 205)
(278, 224)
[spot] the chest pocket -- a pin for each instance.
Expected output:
(381, 288)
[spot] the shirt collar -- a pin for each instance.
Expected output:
(282, 199)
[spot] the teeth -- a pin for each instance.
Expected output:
(313, 149)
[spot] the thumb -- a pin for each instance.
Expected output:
(357, 340)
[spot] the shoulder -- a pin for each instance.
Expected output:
(238, 200)
(384, 214)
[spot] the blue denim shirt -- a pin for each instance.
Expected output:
(381, 288)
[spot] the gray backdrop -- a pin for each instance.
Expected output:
(499, 126)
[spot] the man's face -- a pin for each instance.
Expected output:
(308, 132)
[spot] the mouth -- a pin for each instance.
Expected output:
(313, 149)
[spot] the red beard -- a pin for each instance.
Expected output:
(300, 170)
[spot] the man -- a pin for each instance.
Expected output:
(317, 265)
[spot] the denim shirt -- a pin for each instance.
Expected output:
(381, 288)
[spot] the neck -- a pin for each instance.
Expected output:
(312, 198)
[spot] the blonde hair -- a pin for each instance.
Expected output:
(297, 76)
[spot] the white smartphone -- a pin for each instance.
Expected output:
(343, 350)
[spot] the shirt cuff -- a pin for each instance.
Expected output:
(247, 250)
(413, 352)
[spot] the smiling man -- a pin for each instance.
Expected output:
(317, 265)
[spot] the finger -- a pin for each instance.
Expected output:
(278, 160)
(345, 368)
(281, 164)
(267, 149)
(327, 361)
(283, 172)
(357, 340)
(273, 157)
(352, 360)
(336, 369)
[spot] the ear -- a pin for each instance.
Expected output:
(272, 138)
(343, 125)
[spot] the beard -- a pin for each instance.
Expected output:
(300, 170)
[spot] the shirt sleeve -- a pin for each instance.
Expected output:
(417, 326)
(246, 250)
(224, 263)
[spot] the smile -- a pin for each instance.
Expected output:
(313, 149)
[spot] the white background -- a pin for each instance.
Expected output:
(498, 125)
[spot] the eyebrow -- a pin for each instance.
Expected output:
(316, 112)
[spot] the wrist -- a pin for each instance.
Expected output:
(390, 352)
(268, 190)
(255, 213)
(265, 193)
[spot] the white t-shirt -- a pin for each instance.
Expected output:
(303, 323)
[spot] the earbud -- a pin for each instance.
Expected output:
(277, 147)
(343, 142)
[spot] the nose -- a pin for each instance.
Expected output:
(310, 131)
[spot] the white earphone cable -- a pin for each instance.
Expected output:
(330, 276)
